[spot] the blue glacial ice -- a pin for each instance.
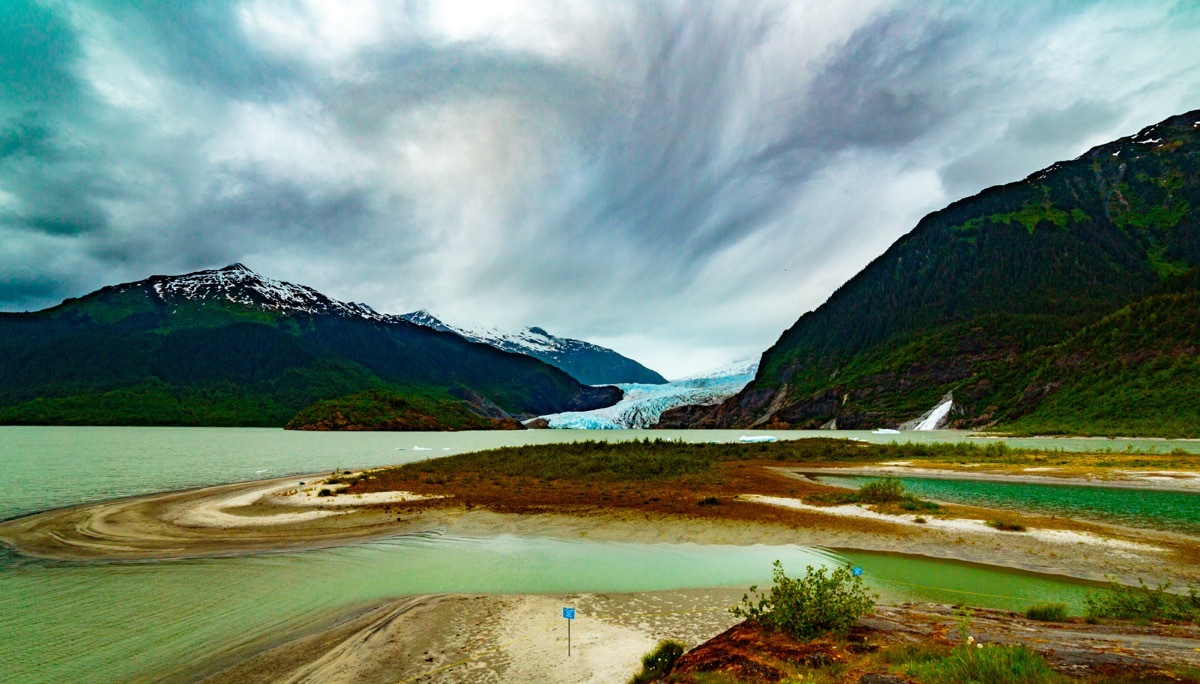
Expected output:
(643, 404)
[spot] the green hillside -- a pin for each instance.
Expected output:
(1022, 300)
(132, 355)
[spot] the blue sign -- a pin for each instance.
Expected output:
(856, 571)
(569, 613)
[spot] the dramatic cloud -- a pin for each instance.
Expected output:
(678, 180)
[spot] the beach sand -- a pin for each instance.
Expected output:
(519, 638)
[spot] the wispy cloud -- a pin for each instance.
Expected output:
(681, 180)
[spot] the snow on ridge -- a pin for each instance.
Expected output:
(522, 341)
(240, 285)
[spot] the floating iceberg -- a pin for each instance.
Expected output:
(756, 440)
(885, 431)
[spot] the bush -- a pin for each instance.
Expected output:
(1143, 603)
(1047, 612)
(710, 501)
(819, 603)
(1006, 526)
(885, 490)
(324, 492)
(658, 663)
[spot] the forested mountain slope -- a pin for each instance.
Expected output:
(1013, 299)
(230, 347)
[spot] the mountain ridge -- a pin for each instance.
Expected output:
(971, 298)
(230, 347)
(588, 363)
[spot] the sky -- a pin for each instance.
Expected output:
(679, 181)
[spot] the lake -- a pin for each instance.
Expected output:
(85, 622)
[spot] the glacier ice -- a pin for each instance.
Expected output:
(643, 404)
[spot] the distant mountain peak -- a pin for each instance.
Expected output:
(588, 363)
(238, 284)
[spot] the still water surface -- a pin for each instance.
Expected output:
(123, 622)
(1164, 510)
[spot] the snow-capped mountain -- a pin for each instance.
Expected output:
(238, 284)
(643, 404)
(588, 363)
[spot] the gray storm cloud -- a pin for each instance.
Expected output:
(678, 180)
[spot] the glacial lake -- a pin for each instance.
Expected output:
(102, 622)
(1155, 509)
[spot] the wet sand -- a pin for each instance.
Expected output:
(266, 516)
(519, 638)
(523, 638)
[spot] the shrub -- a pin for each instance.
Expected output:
(1047, 612)
(710, 501)
(1143, 603)
(1006, 526)
(658, 663)
(920, 520)
(819, 603)
(885, 490)
(324, 492)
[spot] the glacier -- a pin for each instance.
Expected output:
(643, 404)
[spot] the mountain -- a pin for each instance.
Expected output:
(586, 362)
(1062, 303)
(231, 347)
(643, 404)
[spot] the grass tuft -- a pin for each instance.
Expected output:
(1047, 612)
(658, 663)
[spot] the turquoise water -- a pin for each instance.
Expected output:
(1164, 510)
(127, 622)
(120, 622)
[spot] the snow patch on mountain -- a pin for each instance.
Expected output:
(519, 341)
(240, 285)
(589, 363)
(643, 404)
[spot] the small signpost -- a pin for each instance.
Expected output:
(569, 614)
(856, 571)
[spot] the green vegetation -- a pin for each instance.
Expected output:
(660, 460)
(1143, 603)
(387, 410)
(1005, 525)
(658, 663)
(974, 662)
(884, 491)
(665, 460)
(1066, 303)
(124, 356)
(819, 603)
(1047, 612)
(971, 661)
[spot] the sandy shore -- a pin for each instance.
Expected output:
(276, 515)
(490, 639)
(486, 639)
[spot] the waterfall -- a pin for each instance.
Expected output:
(936, 416)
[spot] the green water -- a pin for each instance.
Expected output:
(1165, 510)
(138, 621)
(48, 467)
(121, 622)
